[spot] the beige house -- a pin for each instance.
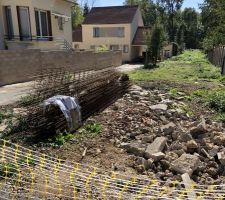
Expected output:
(114, 28)
(41, 24)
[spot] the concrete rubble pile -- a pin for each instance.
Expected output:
(163, 140)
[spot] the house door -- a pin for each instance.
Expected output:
(42, 24)
(24, 23)
(8, 22)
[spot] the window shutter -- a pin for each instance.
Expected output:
(49, 25)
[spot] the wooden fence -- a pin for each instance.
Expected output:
(217, 57)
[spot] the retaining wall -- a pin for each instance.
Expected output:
(23, 65)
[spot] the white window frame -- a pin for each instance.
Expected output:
(40, 26)
(125, 48)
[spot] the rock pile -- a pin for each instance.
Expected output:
(163, 140)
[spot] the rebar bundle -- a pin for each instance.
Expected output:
(95, 90)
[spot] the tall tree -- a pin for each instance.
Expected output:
(190, 18)
(213, 19)
(171, 8)
(77, 16)
(86, 9)
(148, 10)
(155, 41)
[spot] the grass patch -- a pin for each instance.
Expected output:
(215, 99)
(89, 131)
(5, 115)
(27, 100)
(192, 65)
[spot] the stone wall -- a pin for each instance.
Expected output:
(23, 65)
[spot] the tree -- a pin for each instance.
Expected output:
(77, 16)
(155, 41)
(148, 9)
(190, 19)
(86, 9)
(170, 7)
(213, 18)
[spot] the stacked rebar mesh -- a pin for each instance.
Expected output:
(95, 90)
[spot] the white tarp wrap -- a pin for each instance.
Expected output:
(70, 108)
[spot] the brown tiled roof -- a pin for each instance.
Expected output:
(111, 15)
(77, 34)
(139, 38)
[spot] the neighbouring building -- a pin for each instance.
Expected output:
(35, 24)
(114, 28)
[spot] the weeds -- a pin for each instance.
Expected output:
(61, 138)
(27, 100)
(189, 66)
(216, 100)
(7, 170)
(89, 131)
(173, 92)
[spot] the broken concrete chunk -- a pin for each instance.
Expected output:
(135, 88)
(186, 163)
(192, 144)
(188, 183)
(3, 127)
(156, 146)
(147, 163)
(199, 130)
(213, 152)
(221, 157)
(135, 148)
(168, 129)
(148, 139)
(159, 107)
(157, 156)
(184, 137)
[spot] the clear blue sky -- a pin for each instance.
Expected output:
(187, 3)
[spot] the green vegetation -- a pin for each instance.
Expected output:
(192, 65)
(102, 48)
(213, 17)
(89, 131)
(5, 115)
(62, 138)
(27, 100)
(7, 170)
(215, 99)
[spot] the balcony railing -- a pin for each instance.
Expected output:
(60, 41)
(28, 38)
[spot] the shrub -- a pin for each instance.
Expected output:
(62, 138)
(94, 128)
(222, 79)
(216, 100)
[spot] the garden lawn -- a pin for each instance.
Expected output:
(192, 65)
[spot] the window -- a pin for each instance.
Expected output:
(43, 24)
(8, 22)
(108, 32)
(92, 47)
(96, 32)
(120, 32)
(60, 23)
(114, 47)
(125, 49)
(24, 22)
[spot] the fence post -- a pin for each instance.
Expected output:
(223, 66)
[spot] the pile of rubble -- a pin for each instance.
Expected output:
(163, 141)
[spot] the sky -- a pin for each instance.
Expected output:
(187, 3)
